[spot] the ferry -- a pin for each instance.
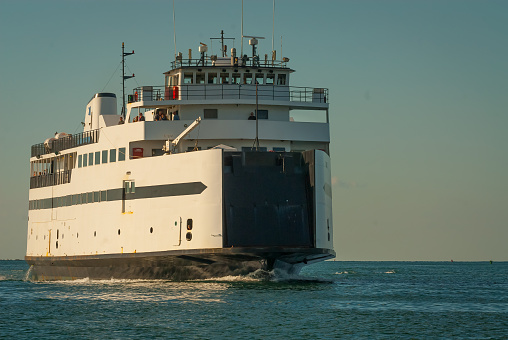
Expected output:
(205, 176)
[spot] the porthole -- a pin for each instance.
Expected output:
(188, 236)
(189, 224)
(118, 231)
(94, 233)
(57, 233)
(176, 223)
(56, 244)
(151, 230)
(77, 235)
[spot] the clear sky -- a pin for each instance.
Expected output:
(418, 95)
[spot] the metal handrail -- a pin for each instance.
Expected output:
(66, 142)
(46, 180)
(230, 91)
(208, 62)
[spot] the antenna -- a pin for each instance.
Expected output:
(124, 77)
(174, 27)
(241, 48)
(273, 24)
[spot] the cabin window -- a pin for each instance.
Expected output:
(85, 159)
(200, 78)
(270, 79)
(189, 224)
(188, 78)
(281, 79)
(279, 149)
(212, 78)
(112, 155)
(236, 78)
(90, 197)
(74, 199)
(247, 78)
(96, 196)
(210, 113)
(224, 78)
(90, 158)
(104, 156)
(104, 195)
(83, 198)
(97, 157)
(121, 154)
(80, 161)
(262, 114)
(259, 78)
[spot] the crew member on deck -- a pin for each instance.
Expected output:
(121, 121)
(141, 117)
(176, 116)
(252, 117)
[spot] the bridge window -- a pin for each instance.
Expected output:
(85, 159)
(270, 79)
(212, 78)
(200, 78)
(281, 79)
(104, 156)
(90, 158)
(247, 78)
(188, 78)
(224, 78)
(259, 78)
(279, 149)
(236, 78)
(97, 157)
(80, 161)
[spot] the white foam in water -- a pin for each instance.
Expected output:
(390, 271)
(261, 275)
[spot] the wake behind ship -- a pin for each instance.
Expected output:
(205, 176)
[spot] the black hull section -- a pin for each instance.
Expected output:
(175, 265)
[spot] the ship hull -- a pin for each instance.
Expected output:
(175, 265)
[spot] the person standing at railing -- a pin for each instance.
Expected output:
(141, 118)
(176, 116)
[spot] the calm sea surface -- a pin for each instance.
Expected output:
(380, 300)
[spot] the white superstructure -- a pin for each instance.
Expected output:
(197, 189)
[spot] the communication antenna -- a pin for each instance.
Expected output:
(273, 24)
(174, 27)
(124, 77)
(223, 47)
(241, 47)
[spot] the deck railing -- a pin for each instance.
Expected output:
(229, 91)
(222, 62)
(47, 180)
(66, 142)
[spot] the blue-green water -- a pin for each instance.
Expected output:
(380, 300)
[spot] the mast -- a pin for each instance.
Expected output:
(124, 77)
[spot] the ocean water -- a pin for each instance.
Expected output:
(329, 300)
